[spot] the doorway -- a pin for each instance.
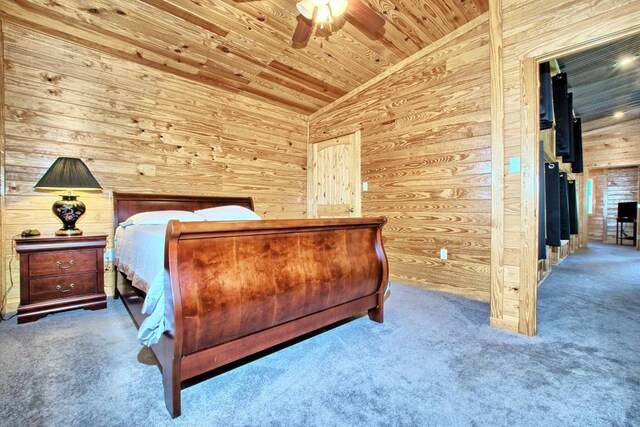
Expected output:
(599, 126)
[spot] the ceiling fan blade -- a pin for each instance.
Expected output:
(302, 32)
(362, 16)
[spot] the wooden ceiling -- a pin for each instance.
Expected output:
(244, 46)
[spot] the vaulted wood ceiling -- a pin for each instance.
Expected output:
(245, 45)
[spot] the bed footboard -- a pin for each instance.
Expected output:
(241, 287)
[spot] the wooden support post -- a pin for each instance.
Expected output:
(497, 162)
(529, 184)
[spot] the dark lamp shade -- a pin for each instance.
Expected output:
(68, 173)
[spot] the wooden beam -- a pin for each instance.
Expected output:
(529, 190)
(497, 160)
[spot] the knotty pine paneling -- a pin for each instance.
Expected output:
(139, 130)
(535, 29)
(622, 186)
(612, 146)
(245, 46)
(607, 149)
(426, 157)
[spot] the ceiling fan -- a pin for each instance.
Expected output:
(324, 12)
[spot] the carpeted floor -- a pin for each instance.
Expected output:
(434, 361)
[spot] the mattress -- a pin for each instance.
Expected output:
(139, 255)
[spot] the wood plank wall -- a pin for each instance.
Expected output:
(612, 146)
(426, 157)
(612, 186)
(538, 29)
(138, 130)
(607, 153)
(622, 186)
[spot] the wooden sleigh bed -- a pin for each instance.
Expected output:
(237, 288)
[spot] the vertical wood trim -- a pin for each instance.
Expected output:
(497, 159)
(529, 184)
(312, 180)
(357, 172)
(3, 251)
(310, 158)
(308, 166)
(584, 218)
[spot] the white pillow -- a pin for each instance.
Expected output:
(227, 213)
(160, 218)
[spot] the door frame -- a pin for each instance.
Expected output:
(529, 181)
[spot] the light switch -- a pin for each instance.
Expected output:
(443, 253)
(365, 186)
(514, 164)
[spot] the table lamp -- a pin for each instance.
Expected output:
(68, 173)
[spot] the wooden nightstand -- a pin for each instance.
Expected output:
(60, 273)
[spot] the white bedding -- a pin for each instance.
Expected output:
(139, 254)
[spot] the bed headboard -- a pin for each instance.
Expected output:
(127, 204)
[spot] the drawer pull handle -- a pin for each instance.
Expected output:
(64, 267)
(64, 291)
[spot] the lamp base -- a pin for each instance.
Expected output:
(69, 210)
(63, 232)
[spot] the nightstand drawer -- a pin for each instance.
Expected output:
(62, 262)
(63, 286)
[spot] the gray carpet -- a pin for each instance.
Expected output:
(433, 362)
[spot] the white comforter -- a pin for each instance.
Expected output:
(139, 254)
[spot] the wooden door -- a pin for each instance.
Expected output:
(334, 178)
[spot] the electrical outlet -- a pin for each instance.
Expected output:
(443, 253)
(365, 186)
(108, 255)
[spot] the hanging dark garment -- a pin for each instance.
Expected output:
(569, 158)
(546, 97)
(577, 166)
(542, 224)
(552, 199)
(561, 114)
(565, 226)
(573, 207)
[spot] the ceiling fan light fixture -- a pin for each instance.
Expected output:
(306, 7)
(320, 15)
(338, 7)
(323, 16)
(325, 10)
